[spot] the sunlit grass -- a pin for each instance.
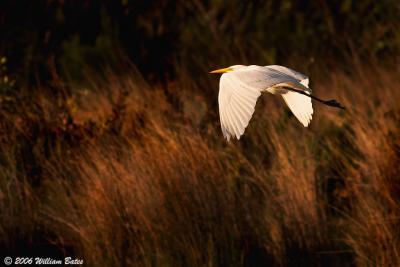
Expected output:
(122, 173)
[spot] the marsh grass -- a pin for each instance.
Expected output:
(121, 173)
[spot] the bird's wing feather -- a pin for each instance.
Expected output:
(236, 105)
(300, 105)
(238, 94)
(303, 79)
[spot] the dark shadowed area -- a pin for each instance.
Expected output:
(111, 149)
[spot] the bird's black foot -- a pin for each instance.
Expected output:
(334, 103)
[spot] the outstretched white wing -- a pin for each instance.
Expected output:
(300, 105)
(238, 94)
(297, 75)
(237, 101)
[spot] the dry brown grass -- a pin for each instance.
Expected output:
(123, 174)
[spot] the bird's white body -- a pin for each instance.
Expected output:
(240, 87)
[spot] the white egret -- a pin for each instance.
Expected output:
(240, 86)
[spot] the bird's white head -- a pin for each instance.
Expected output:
(231, 68)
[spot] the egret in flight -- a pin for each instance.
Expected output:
(240, 86)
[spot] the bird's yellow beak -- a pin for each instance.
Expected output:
(221, 70)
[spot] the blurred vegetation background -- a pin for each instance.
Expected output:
(160, 35)
(111, 149)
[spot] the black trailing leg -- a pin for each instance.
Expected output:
(332, 102)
